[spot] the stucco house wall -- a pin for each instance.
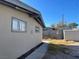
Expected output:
(71, 35)
(14, 44)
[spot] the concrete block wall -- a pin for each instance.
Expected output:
(71, 35)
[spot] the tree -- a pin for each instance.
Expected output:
(53, 26)
(73, 25)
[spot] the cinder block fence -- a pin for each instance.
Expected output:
(71, 35)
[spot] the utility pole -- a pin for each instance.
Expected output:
(62, 21)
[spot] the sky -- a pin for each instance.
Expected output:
(52, 10)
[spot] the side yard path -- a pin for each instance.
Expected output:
(60, 49)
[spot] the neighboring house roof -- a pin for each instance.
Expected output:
(24, 8)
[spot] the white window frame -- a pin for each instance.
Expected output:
(19, 26)
(37, 29)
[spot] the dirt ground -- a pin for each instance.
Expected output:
(74, 46)
(59, 56)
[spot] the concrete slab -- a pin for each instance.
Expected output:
(39, 53)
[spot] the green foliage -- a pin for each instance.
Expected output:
(53, 26)
(70, 25)
(73, 25)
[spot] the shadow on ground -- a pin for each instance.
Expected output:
(60, 51)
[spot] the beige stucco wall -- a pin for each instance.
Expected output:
(13, 44)
(71, 35)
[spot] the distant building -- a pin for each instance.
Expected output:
(51, 33)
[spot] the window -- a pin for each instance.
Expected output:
(18, 25)
(37, 29)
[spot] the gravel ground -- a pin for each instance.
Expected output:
(59, 56)
(73, 55)
(75, 49)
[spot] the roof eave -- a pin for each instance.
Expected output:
(34, 15)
